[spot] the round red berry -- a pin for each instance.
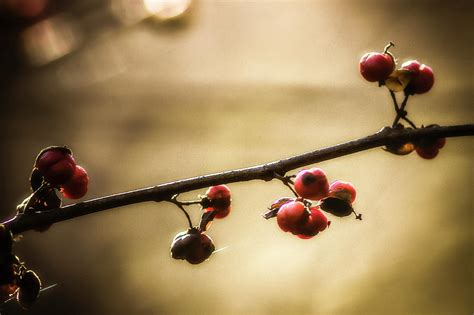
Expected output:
(312, 184)
(342, 190)
(376, 66)
(292, 215)
(422, 77)
(76, 187)
(427, 153)
(219, 197)
(316, 222)
(428, 148)
(56, 164)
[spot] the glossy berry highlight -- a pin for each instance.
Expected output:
(312, 184)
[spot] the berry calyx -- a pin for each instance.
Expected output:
(56, 164)
(192, 246)
(76, 187)
(292, 215)
(312, 184)
(376, 67)
(422, 79)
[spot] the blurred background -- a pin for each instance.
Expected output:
(146, 92)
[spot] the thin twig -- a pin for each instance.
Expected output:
(266, 172)
(179, 204)
(401, 112)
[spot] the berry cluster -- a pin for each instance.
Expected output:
(413, 78)
(299, 216)
(54, 169)
(58, 168)
(194, 245)
(16, 281)
(427, 148)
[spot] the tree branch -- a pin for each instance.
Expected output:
(24, 222)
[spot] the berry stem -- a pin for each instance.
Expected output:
(179, 204)
(401, 112)
(29, 201)
(286, 181)
(389, 45)
(409, 122)
(395, 103)
(385, 51)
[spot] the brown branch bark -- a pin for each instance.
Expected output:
(266, 172)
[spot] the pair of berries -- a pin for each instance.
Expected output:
(412, 77)
(300, 217)
(301, 220)
(15, 278)
(58, 168)
(427, 148)
(194, 245)
(336, 198)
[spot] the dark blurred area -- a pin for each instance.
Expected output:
(150, 91)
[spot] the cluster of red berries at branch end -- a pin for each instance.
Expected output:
(194, 245)
(300, 216)
(427, 148)
(59, 169)
(16, 281)
(55, 169)
(412, 77)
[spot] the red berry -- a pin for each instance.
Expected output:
(342, 190)
(376, 66)
(428, 148)
(312, 184)
(317, 222)
(76, 187)
(422, 77)
(292, 215)
(56, 164)
(219, 214)
(219, 197)
(427, 152)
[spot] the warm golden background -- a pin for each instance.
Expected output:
(235, 84)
